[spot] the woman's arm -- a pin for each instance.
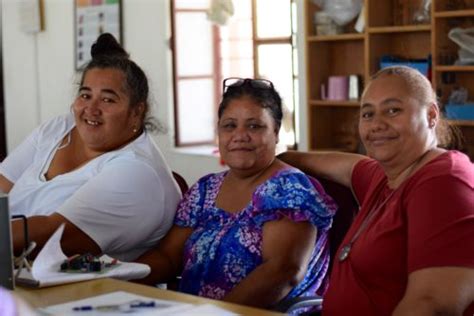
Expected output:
(285, 258)
(166, 259)
(440, 216)
(124, 208)
(5, 184)
(40, 229)
(22, 157)
(437, 291)
(334, 166)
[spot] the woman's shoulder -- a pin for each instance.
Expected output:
(56, 127)
(286, 183)
(367, 166)
(454, 159)
(213, 176)
(282, 169)
(277, 178)
(205, 185)
(210, 180)
(142, 152)
(451, 165)
(196, 201)
(290, 192)
(286, 174)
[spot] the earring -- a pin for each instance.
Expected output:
(135, 130)
(431, 124)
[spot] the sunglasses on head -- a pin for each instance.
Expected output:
(234, 82)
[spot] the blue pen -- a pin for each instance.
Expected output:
(82, 308)
(143, 304)
(116, 307)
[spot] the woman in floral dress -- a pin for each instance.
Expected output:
(256, 233)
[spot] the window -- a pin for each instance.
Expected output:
(253, 44)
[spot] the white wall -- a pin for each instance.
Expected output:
(39, 72)
(302, 107)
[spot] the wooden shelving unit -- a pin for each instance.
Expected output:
(388, 31)
(447, 76)
(454, 14)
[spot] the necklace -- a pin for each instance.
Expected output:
(346, 249)
(68, 141)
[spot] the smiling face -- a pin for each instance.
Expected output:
(247, 136)
(394, 126)
(104, 118)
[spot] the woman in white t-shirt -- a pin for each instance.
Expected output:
(97, 170)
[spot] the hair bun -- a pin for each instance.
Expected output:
(107, 45)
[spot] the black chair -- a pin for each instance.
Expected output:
(183, 185)
(347, 210)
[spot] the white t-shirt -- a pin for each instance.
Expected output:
(125, 200)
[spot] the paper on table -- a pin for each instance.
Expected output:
(45, 269)
(116, 298)
(205, 309)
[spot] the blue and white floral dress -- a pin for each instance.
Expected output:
(225, 247)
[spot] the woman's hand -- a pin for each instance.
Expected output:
(286, 251)
(437, 291)
(5, 184)
(166, 259)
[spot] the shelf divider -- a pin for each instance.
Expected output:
(454, 14)
(338, 37)
(400, 29)
(453, 68)
(461, 123)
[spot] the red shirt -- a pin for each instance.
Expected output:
(427, 222)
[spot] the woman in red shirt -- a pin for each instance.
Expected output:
(409, 251)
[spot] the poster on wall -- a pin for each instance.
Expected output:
(31, 15)
(94, 17)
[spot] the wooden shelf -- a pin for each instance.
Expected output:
(339, 37)
(400, 29)
(454, 14)
(462, 122)
(342, 103)
(454, 68)
(332, 125)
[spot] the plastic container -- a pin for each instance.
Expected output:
(324, 25)
(422, 65)
(321, 18)
(460, 112)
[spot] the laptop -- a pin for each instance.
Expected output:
(6, 251)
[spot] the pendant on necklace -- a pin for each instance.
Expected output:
(344, 253)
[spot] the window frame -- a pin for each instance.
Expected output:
(217, 70)
(176, 78)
